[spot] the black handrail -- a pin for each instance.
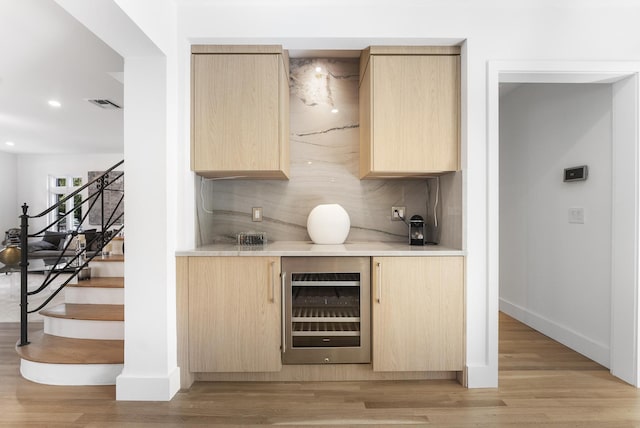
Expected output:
(81, 259)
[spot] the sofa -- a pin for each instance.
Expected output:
(53, 244)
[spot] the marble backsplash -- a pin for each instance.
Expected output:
(324, 143)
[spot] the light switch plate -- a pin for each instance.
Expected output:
(576, 215)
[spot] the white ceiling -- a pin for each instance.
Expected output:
(46, 54)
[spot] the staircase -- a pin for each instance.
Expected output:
(83, 339)
(82, 342)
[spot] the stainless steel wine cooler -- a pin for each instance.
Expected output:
(326, 310)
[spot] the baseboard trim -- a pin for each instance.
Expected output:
(598, 352)
(146, 388)
(481, 377)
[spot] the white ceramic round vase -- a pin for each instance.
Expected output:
(328, 224)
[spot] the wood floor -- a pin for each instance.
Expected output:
(542, 383)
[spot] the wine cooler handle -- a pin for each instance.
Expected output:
(379, 269)
(283, 278)
(273, 282)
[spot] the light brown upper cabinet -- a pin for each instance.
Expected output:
(409, 111)
(240, 111)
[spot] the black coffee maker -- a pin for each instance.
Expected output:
(416, 230)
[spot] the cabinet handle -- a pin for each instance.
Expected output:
(273, 282)
(283, 277)
(379, 268)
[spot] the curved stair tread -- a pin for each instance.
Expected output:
(111, 258)
(101, 282)
(85, 311)
(45, 348)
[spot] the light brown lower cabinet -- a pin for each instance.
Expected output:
(418, 313)
(234, 314)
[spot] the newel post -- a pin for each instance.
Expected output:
(24, 230)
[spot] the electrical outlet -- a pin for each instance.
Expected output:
(398, 213)
(256, 214)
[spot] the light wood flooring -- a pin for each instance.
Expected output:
(542, 383)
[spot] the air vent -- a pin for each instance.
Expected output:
(105, 104)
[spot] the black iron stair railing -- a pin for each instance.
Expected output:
(111, 226)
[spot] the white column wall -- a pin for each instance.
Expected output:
(143, 32)
(9, 208)
(150, 371)
(624, 257)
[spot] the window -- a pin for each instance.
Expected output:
(59, 189)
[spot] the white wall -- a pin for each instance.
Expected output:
(555, 275)
(34, 172)
(493, 29)
(150, 371)
(624, 257)
(146, 40)
(9, 209)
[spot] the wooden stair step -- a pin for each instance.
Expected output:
(81, 311)
(101, 282)
(45, 348)
(113, 258)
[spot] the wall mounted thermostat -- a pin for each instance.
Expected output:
(576, 173)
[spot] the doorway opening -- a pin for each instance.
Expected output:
(555, 235)
(602, 282)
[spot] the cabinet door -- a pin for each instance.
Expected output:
(234, 314)
(417, 313)
(236, 112)
(415, 113)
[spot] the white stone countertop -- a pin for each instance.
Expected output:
(298, 248)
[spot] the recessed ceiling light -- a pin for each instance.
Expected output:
(10, 143)
(54, 103)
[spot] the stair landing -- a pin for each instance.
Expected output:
(55, 360)
(46, 348)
